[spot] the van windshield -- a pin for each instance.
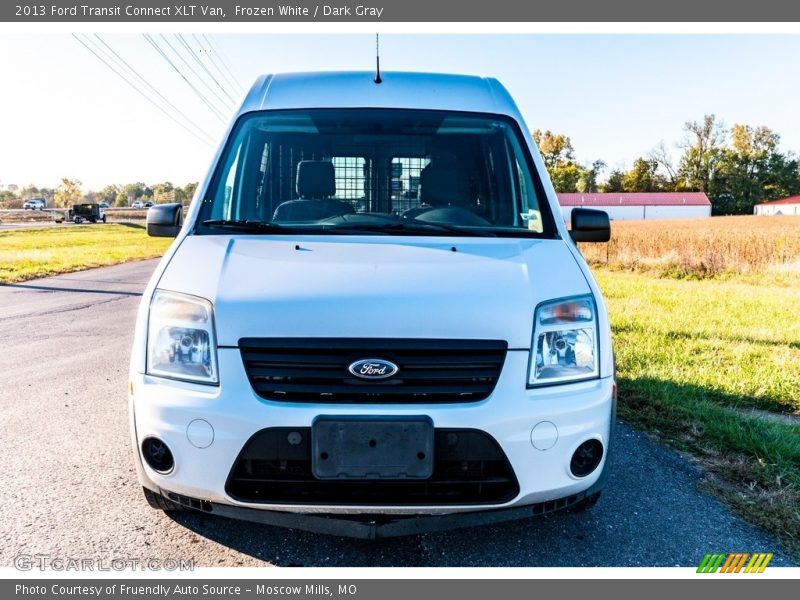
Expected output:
(392, 172)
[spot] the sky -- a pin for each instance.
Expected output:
(63, 113)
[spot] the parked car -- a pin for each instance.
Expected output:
(321, 351)
(34, 204)
(103, 205)
(148, 204)
(137, 204)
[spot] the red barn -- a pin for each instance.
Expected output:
(628, 206)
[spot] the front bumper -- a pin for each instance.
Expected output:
(372, 527)
(231, 413)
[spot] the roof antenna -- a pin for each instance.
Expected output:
(378, 58)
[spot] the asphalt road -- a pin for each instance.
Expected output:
(68, 487)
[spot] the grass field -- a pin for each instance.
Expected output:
(701, 248)
(708, 352)
(694, 358)
(739, 342)
(31, 253)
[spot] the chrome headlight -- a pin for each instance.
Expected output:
(180, 338)
(564, 342)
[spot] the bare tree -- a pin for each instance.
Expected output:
(662, 157)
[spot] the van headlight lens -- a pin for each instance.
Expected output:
(564, 342)
(180, 338)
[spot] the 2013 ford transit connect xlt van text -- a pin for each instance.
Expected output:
(373, 320)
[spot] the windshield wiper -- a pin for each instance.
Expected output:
(411, 226)
(245, 225)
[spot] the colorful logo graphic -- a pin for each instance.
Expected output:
(735, 562)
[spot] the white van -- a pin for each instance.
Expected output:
(372, 321)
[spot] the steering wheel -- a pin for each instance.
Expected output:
(451, 215)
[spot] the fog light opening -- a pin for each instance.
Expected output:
(586, 458)
(157, 455)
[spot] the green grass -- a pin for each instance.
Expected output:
(693, 359)
(31, 253)
(739, 343)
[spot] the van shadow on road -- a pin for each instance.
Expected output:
(50, 288)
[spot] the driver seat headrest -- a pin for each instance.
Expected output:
(315, 179)
(441, 187)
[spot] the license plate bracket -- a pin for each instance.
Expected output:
(366, 448)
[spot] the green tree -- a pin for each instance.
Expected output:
(189, 190)
(185, 194)
(68, 193)
(137, 191)
(643, 177)
(109, 194)
(615, 182)
(9, 199)
(702, 148)
(566, 176)
(750, 170)
(559, 159)
(555, 148)
(785, 176)
(587, 183)
(164, 192)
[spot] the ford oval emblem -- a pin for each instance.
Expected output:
(373, 368)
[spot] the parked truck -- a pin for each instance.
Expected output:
(82, 212)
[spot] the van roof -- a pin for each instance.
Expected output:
(357, 89)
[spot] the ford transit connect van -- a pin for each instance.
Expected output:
(373, 320)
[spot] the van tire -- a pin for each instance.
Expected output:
(585, 504)
(158, 501)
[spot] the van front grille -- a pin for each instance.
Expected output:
(317, 369)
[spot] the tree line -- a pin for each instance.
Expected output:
(737, 167)
(70, 191)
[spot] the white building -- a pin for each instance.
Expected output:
(787, 206)
(624, 206)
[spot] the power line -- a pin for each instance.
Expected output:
(215, 58)
(223, 60)
(225, 103)
(217, 54)
(163, 55)
(145, 96)
(110, 62)
(153, 88)
(196, 58)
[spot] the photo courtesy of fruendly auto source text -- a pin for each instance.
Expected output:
(375, 300)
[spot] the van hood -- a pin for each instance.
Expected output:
(373, 286)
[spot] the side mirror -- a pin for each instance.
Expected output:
(165, 220)
(589, 225)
